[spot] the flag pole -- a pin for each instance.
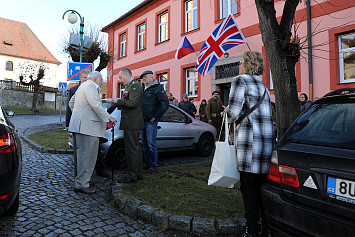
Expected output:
(248, 45)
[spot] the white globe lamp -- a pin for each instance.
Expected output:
(72, 18)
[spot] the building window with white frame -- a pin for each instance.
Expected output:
(191, 82)
(141, 37)
(271, 82)
(191, 15)
(227, 7)
(347, 58)
(9, 66)
(163, 80)
(163, 27)
(123, 43)
(122, 89)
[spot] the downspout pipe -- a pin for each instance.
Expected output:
(310, 54)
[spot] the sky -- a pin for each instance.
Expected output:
(44, 17)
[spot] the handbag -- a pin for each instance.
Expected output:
(224, 169)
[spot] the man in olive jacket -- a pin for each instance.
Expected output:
(131, 124)
(155, 104)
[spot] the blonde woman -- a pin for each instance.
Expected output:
(254, 136)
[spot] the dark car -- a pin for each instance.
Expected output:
(10, 165)
(311, 182)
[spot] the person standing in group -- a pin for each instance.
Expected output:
(155, 104)
(202, 111)
(88, 124)
(214, 109)
(99, 166)
(172, 99)
(187, 106)
(131, 124)
(254, 137)
(304, 102)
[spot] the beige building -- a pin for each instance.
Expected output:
(19, 46)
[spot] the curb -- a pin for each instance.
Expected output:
(135, 208)
(38, 147)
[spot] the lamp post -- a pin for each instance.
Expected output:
(72, 18)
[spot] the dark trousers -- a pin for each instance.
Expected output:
(134, 157)
(217, 123)
(99, 166)
(250, 186)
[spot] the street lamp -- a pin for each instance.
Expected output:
(72, 18)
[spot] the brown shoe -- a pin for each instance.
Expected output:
(87, 190)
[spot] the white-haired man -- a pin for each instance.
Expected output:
(87, 123)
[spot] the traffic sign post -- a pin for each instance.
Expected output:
(75, 68)
(62, 86)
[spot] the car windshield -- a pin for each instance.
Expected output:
(327, 125)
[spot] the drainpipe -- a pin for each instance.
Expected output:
(309, 37)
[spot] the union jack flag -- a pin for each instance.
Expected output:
(227, 35)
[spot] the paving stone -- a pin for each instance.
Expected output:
(180, 223)
(120, 201)
(203, 226)
(144, 212)
(160, 218)
(131, 206)
(227, 227)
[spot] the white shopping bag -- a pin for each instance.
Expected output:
(224, 169)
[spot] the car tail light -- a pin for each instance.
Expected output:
(7, 143)
(282, 174)
(6, 195)
(274, 173)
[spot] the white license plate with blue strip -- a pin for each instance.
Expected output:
(344, 190)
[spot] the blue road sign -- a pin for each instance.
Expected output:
(62, 86)
(74, 70)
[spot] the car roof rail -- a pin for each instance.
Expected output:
(340, 91)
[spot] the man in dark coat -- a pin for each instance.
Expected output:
(187, 106)
(214, 109)
(155, 104)
(131, 124)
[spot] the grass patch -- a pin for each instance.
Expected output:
(22, 110)
(54, 138)
(183, 190)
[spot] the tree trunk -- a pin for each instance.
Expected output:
(276, 39)
(34, 101)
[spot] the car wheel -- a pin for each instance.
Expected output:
(205, 145)
(14, 206)
(116, 157)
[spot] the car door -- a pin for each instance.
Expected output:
(174, 130)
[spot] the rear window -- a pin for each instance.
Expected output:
(327, 125)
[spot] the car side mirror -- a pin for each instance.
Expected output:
(9, 113)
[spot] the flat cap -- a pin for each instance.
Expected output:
(145, 73)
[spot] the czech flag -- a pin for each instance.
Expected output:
(184, 49)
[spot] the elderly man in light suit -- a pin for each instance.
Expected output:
(87, 123)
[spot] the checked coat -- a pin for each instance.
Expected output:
(255, 134)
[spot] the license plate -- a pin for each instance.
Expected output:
(344, 190)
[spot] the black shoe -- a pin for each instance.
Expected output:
(126, 181)
(146, 167)
(102, 174)
(87, 190)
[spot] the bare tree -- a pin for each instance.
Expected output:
(32, 74)
(98, 50)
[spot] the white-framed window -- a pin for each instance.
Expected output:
(163, 31)
(191, 15)
(141, 37)
(9, 66)
(227, 7)
(271, 82)
(163, 80)
(123, 47)
(122, 89)
(191, 82)
(346, 58)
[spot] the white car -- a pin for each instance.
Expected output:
(177, 131)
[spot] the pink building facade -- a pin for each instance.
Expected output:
(146, 38)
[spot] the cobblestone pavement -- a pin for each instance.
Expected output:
(50, 207)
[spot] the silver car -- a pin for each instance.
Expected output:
(177, 131)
